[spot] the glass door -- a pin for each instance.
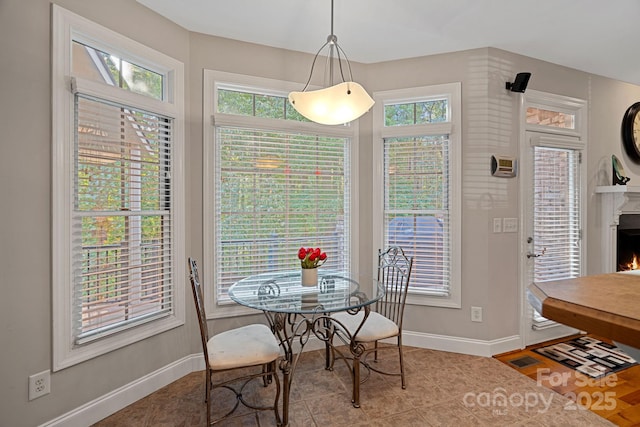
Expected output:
(553, 247)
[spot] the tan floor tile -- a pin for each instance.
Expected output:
(334, 410)
(437, 383)
(449, 414)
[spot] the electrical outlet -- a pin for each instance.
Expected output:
(39, 384)
(497, 225)
(476, 314)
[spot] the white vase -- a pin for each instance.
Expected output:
(309, 276)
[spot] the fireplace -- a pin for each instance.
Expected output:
(628, 242)
(620, 221)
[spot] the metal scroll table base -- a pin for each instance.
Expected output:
(294, 330)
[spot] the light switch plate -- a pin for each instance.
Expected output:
(497, 225)
(476, 314)
(510, 225)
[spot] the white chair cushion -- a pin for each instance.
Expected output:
(377, 327)
(245, 346)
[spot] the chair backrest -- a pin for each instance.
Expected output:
(199, 300)
(394, 272)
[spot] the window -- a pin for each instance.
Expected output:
(417, 152)
(556, 213)
(558, 119)
(105, 68)
(257, 105)
(118, 268)
(274, 182)
(551, 114)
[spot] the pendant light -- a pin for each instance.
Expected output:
(336, 104)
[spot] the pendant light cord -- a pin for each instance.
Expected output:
(331, 17)
(333, 40)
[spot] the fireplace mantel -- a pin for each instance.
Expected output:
(618, 189)
(615, 200)
(618, 200)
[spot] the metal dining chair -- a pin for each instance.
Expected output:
(252, 346)
(384, 321)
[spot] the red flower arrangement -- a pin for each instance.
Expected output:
(311, 258)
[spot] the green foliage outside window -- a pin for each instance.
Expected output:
(257, 105)
(276, 191)
(274, 186)
(119, 168)
(416, 173)
(403, 114)
(121, 73)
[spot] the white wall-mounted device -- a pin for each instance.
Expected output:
(503, 166)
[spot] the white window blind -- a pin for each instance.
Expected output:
(121, 247)
(274, 193)
(117, 190)
(556, 230)
(416, 207)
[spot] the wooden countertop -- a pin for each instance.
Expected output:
(607, 304)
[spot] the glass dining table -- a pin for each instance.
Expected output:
(297, 313)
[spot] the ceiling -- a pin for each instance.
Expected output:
(591, 35)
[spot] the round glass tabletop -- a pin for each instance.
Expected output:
(283, 292)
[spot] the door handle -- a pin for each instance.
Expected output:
(532, 255)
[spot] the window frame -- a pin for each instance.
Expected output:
(214, 79)
(66, 28)
(551, 137)
(452, 92)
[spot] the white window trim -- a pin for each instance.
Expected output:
(212, 78)
(452, 91)
(67, 26)
(579, 107)
(560, 103)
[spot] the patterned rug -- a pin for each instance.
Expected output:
(589, 356)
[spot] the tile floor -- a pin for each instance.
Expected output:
(444, 389)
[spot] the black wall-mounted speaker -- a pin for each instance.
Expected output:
(520, 83)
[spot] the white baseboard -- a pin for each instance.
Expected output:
(461, 345)
(118, 399)
(112, 402)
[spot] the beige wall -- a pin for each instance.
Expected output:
(490, 261)
(25, 215)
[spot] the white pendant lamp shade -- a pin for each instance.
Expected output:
(337, 104)
(334, 105)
